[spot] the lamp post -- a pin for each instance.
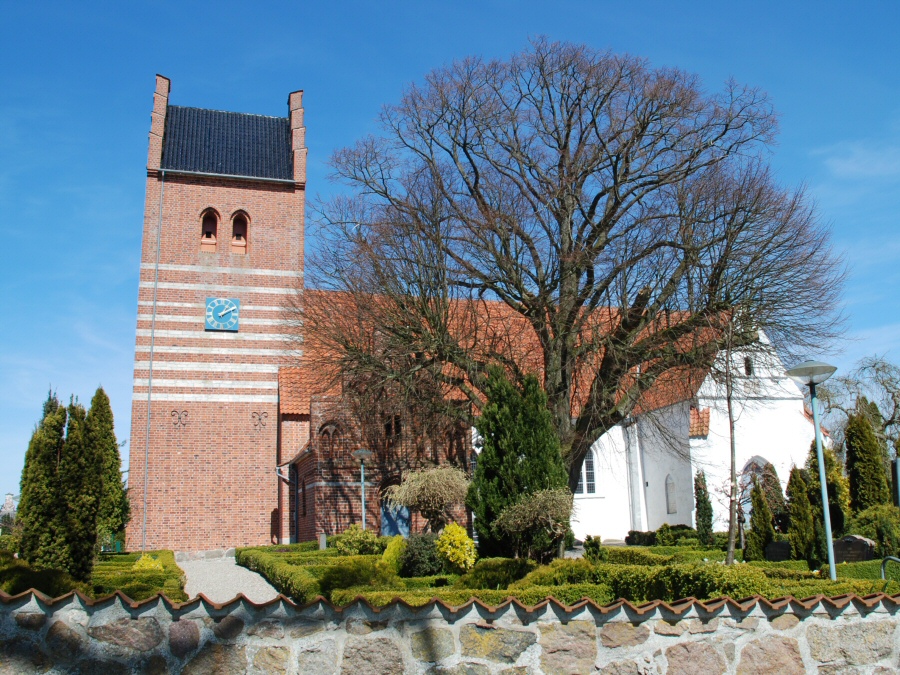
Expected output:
(812, 373)
(362, 455)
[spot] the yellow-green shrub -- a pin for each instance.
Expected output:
(294, 581)
(567, 594)
(456, 549)
(392, 557)
(357, 541)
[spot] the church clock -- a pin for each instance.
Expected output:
(222, 314)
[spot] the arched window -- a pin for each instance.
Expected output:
(329, 440)
(587, 483)
(748, 366)
(209, 226)
(671, 505)
(239, 232)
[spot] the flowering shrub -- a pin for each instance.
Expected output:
(456, 549)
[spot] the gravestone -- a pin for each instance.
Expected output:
(778, 551)
(853, 548)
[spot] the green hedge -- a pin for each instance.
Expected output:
(496, 573)
(704, 581)
(864, 570)
(294, 581)
(567, 594)
(113, 571)
(16, 576)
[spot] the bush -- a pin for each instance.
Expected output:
(668, 535)
(496, 573)
(392, 557)
(593, 550)
(420, 559)
(8, 543)
(139, 576)
(870, 570)
(456, 549)
(881, 524)
(357, 571)
(357, 541)
(635, 556)
(638, 538)
(147, 563)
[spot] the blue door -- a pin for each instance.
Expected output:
(394, 520)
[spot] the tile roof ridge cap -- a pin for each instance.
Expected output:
(229, 112)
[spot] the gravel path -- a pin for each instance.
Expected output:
(221, 579)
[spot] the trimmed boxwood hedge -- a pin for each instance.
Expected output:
(113, 571)
(294, 581)
(567, 594)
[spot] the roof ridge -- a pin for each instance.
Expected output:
(228, 112)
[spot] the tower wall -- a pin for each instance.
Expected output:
(205, 403)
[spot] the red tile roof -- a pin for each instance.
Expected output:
(699, 422)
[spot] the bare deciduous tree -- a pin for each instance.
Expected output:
(569, 212)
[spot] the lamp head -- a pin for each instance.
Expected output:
(811, 372)
(362, 454)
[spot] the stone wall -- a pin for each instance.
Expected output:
(71, 634)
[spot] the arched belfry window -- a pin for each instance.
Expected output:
(671, 505)
(209, 225)
(240, 226)
(329, 439)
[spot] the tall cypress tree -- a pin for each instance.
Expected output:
(762, 532)
(81, 488)
(771, 487)
(865, 464)
(801, 530)
(41, 509)
(521, 455)
(704, 509)
(114, 510)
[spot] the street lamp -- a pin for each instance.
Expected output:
(812, 373)
(362, 455)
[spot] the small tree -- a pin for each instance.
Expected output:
(761, 532)
(520, 456)
(40, 512)
(81, 487)
(114, 510)
(431, 492)
(771, 486)
(704, 509)
(865, 465)
(801, 529)
(546, 511)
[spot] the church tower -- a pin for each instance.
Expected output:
(222, 253)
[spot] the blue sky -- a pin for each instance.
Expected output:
(76, 91)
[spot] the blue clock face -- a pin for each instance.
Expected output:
(222, 314)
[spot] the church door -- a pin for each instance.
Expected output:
(394, 520)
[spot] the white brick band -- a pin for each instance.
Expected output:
(216, 335)
(205, 398)
(206, 384)
(207, 367)
(216, 288)
(223, 270)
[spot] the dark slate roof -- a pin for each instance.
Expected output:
(234, 144)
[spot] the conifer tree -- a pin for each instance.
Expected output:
(865, 464)
(520, 456)
(80, 489)
(41, 510)
(114, 509)
(704, 509)
(761, 532)
(838, 490)
(801, 530)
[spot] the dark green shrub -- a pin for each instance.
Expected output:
(436, 581)
(704, 510)
(801, 529)
(420, 559)
(496, 573)
(8, 543)
(881, 524)
(560, 571)
(594, 551)
(761, 532)
(638, 538)
(865, 464)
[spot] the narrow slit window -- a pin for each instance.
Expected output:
(303, 496)
(671, 506)
(748, 366)
(239, 234)
(208, 230)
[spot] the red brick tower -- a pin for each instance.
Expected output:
(222, 251)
